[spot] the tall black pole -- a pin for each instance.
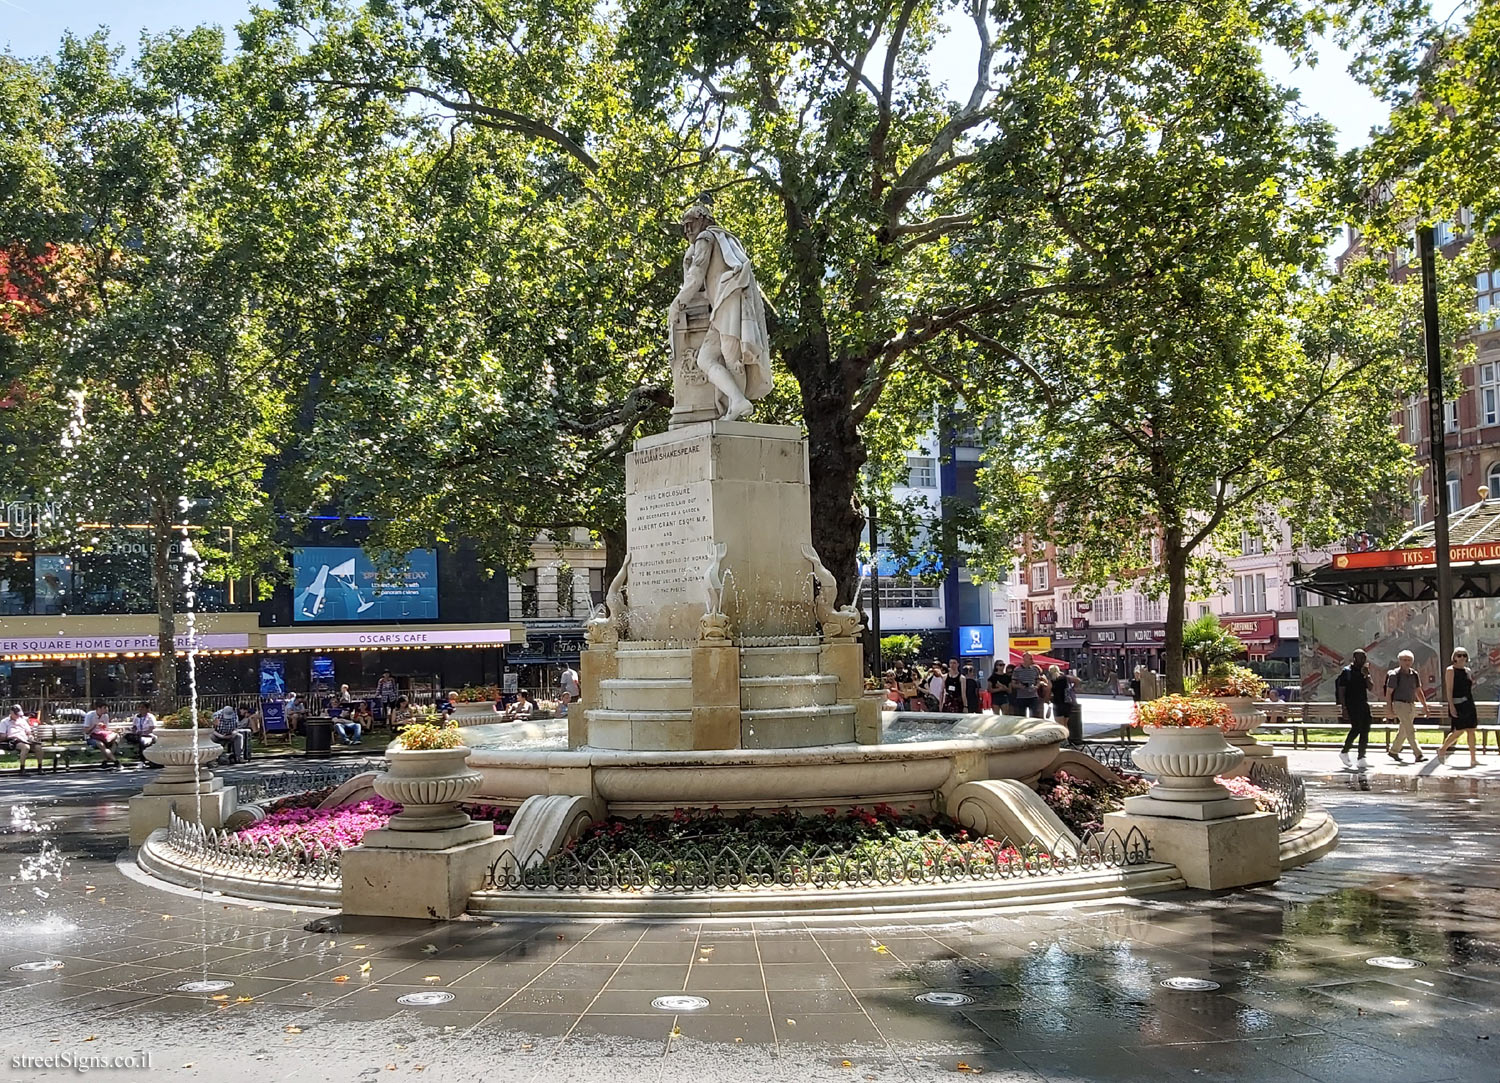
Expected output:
(1438, 441)
(875, 595)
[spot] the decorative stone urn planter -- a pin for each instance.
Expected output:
(429, 785)
(1247, 719)
(180, 751)
(1185, 760)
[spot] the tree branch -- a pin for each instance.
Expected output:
(479, 113)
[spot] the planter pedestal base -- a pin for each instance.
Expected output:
(388, 839)
(153, 809)
(386, 881)
(1215, 809)
(1210, 854)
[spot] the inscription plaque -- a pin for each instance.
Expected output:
(669, 533)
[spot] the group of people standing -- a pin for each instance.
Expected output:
(1024, 689)
(1402, 691)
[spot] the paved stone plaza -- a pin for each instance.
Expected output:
(1070, 994)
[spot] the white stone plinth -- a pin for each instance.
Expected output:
(384, 838)
(1210, 854)
(1215, 809)
(742, 484)
(148, 811)
(402, 883)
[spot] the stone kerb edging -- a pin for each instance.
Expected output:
(1317, 834)
(955, 898)
(160, 860)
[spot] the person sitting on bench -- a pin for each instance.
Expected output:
(142, 730)
(16, 735)
(351, 726)
(97, 734)
(232, 730)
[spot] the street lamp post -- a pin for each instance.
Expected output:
(875, 596)
(1437, 438)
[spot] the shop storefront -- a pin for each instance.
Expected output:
(74, 659)
(1258, 634)
(1144, 646)
(538, 664)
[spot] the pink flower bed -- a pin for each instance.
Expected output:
(332, 828)
(341, 828)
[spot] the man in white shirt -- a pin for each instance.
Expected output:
(142, 730)
(15, 734)
(569, 683)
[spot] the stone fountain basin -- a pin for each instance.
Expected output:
(911, 772)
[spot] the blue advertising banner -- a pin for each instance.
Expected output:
(342, 584)
(322, 674)
(273, 695)
(976, 639)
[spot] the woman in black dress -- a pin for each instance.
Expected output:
(999, 687)
(1463, 716)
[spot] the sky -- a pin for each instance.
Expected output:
(32, 27)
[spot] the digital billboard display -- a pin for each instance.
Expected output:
(337, 584)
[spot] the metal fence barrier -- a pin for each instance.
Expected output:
(692, 868)
(225, 851)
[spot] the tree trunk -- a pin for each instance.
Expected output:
(835, 455)
(164, 586)
(1176, 561)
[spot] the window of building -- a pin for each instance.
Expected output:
(1039, 576)
(1453, 490)
(596, 586)
(1250, 544)
(1487, 299)
(921, 472)
(1413, 420)
(1487, 390)
(1149, 610)
(1250, 593)
(1450, 415)
(565, 579)
(903, 592)
(1108, 609)
(527, 582)
(1493, 480)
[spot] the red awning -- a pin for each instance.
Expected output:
(1043, 660)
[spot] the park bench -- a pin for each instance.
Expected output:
(62, 741)
(1298, 719)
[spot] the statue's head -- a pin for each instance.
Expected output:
(696, 219)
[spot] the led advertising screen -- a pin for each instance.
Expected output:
(342, 585)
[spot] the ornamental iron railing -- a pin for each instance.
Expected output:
(1114, 756)
(681, 869)
(1287, 792)
(227, 852)
(265, 788)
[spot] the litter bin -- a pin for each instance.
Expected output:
(319, 733)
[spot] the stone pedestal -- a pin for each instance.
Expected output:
(716, 696)
(415, 882)
(152, 808)
(869, 718)
(1210, 854)
(594, 665)
(739, 483)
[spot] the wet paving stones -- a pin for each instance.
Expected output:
(1062, 995)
